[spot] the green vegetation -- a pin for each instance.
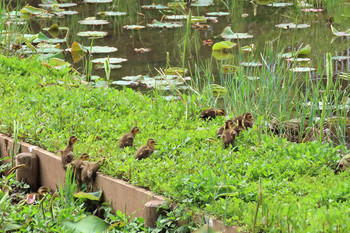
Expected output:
(298, 192)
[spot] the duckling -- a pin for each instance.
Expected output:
(146, 150)
(248, 119)
(42, 191)
(290, 130)
(77, 165)
(221, 130)
(239, 125)
(211, 113)
(229, 134)
(67, 153)
(128, 138)
(89, 170)
(344, 163)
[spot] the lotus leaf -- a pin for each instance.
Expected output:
(311, 10)
(102, 49)
(98, 1)
(167, 77)
(133, 78)
(247, 48)
(220, 13)
(305, 50)
(112, 60)
(299, 59)
(101, 66)
(93, 21)
(280, 4)
(218, 90)
(340, 58)
(264, 2)
(133, 27)
(338, 33)
(176, 17)
(155, 7)
(227, 68)
(304, 4)
(77, 51)
(62, 5)
(33, 10)
(292, 25)
(87, 224)
(58, 63)
(175, 5)
(92, 34)
(95, 196)
(220, 55)
(302, 69)
(156, 24)
(228, 34)
(49, 50)
(203, 3)
(125, 83)
(69, 12)
(43, 38)
(223, 45)
(111, 13)
(251, 64)
(198, 19)
(175, 71)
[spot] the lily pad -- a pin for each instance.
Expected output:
(227, 33)
(111, 13)
(98, 1)
(280, 4)
(69, 12)
(93, 21)
(292, 26)
(155, 7)
(223, 45)
(112, 60)
(43, 38)
(202, 3)
(133, 27)
(125, 83)
(302, 69)
(340, 58)
(60, 5)
(133, 78)
(92, 34)
(77, 51)
(305, 50)
(156, 24)
(33, 10)
(220, 55)
(338, 33)
(87, 224)
(227, 68)
(101, 66)
(198, 19)
(175, 71)
(220, 13)
(102, 49)
(299, 59)
(176, 17)
(251, 64)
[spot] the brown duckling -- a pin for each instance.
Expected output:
(221, 130)
(290, 130)
(128, 138)
(232, 131)
(146, 150)
(89, 170)
(344, 163)
(248, 119)
(67, 153)
(77, 165)
(212, 113)
(42, 191)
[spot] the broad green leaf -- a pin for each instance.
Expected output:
(175, 71)
(218, 90)
(227, 33)
(77, 51)
(280, 4)
(89, 224)
(111, 13)
(98, 1)
(292, 26)
(93, 21)
(95, 196)
(32, 10)
(155, 7)
(220, 55)
(157, 24)
(92, 34)
(54, 30)
(223, 45)
(112, 60)
(198, 19)
(133, 27)
(305, 50)
(338, 33)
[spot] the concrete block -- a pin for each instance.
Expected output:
(30, 173)
(152, 212)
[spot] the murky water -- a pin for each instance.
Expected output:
(259, 21)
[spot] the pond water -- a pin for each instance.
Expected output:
(253, 17)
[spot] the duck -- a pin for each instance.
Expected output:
(210, 113)
(248, 119)
(89, 170)
(67, 153)
(145, 151)
(77, 165)
(290, 130)
(343, 164)
(128, 138)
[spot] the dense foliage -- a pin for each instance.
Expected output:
(299, 191)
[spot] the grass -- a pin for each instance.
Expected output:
(300, 190)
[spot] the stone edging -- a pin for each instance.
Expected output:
(120, 194)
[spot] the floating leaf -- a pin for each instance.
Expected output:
(93, 21)
(87, 224)
(98, 1)
(247, 48)
(100, 84)
(223, 45)
(227, 33)
(92, 34)
(292, 26)
(176, 4)
(77, 51)
(175, 71)
(280, 4)
(33, 10)
(251, 64)
(112, 60)
(299, 59)
(176, 17)
(95, 196)
(311, 10)
(198, 19)
(155, 7)
(42, 38)
(61, 5)
(338, 33)
(220, 55)
(157, 24)
(205, 229)
(302, 69)
(133, 27)
(111, 13)
(125, 83)
(218, 90)
(102, 49)
(133, 78)
(202, 3)
(218, 13)
(227, 68)
(101, 66)
(340, 58)
(54, 30)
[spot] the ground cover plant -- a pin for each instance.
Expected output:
(267, 184)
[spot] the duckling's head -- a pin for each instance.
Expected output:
(135, 130)
(84, 156)
(248, 116)
(228, 124)
(220, 112)
(151, 142)
(43, 190)
(73, 139)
